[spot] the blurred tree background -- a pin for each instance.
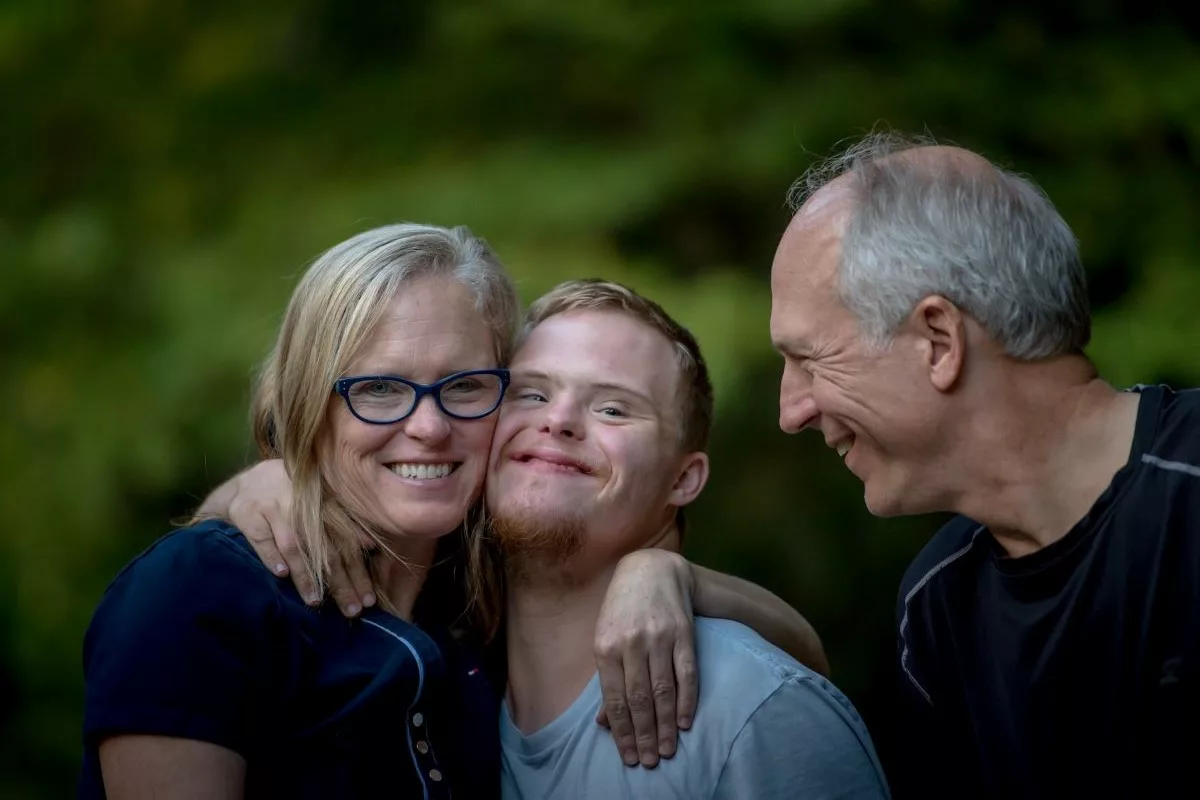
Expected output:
(169, 169)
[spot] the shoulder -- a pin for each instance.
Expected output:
(740, 671)
(204, 569)
(942, 555)
(1175, 437)
(788, 726)
(724, 646)
(192, 554)
(185, 642)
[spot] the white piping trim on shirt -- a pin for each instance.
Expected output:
(912, 592)
(1174, 466)
(416, 697)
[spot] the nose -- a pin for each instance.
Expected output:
(797, 408)
(427, 423)
(562, 418)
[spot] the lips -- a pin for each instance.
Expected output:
(554, 457)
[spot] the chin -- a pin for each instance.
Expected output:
(433, 524)
(882, 503)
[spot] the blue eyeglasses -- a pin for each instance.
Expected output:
(385, 399)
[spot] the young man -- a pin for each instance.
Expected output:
(932, 313)
(600, 446)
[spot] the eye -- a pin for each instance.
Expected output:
(463, 386)
(376, 388)
(531, 395)
(612, 411)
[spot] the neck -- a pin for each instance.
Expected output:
(1045, 445)
(550, 628)
(400, 574)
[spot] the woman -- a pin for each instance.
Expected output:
(209, 678)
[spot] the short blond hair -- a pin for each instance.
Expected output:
(694, 391)
(333, 312)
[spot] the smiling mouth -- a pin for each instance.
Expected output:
(424, 472)
(558, 466)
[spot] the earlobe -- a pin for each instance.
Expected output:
(690, 482)
(941, 326)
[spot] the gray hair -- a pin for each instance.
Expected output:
(990, 241)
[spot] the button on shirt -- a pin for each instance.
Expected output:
(196, 639)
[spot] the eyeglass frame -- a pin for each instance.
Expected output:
(342, 387)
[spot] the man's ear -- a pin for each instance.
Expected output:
(942, 334)
(693, 474)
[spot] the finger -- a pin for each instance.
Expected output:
(662, 687)
(342, 590)
(639, 697)
(612, 687)
(687, 680)
(258, 532)
(602, 717)
(360, 579)
(289, 549)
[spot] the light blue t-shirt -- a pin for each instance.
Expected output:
(766, 728)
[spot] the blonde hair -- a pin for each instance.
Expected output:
(694, 390)
(332, 314)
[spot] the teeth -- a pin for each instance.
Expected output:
(844, 448)
(422, 472)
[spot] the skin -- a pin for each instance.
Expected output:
(916, 415)
(155, 767)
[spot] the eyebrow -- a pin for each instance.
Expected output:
(533, 374)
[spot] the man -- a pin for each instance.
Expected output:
(932, 313)
(600, 445)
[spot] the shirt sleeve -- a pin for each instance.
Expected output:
(183, 644)
(803, 741)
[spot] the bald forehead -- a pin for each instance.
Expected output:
(942, 157)
(810, 248)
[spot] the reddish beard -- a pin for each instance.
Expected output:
(532, 545)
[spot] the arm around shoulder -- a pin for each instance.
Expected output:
(805, 740)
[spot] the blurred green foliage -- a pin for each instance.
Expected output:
(169, 169)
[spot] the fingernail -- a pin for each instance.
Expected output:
(666, 748)
(312, 599)
(650, 760)
(685, 722)
(353, 609)
(368, 599)
(280, 569)
(631, 757)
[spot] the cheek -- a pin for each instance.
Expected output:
(353, 441)
(474, 438)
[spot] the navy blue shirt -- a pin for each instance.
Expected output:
(1073, 671)
(197, 639)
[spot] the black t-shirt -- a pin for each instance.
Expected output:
(196, 639)
(1073, 671)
